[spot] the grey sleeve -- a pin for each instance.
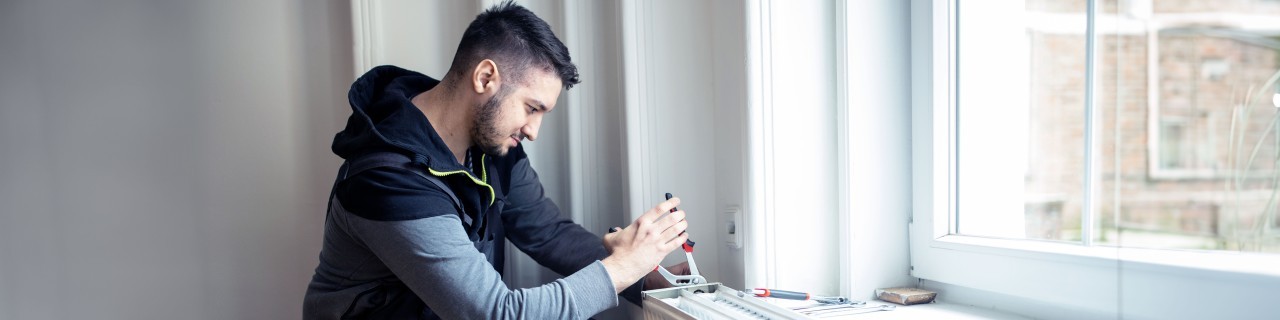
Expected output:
(435, 259)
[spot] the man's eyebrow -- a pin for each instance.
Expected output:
(541, 106)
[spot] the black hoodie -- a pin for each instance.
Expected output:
(398, 244)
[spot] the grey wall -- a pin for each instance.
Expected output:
(681, 105)
(729, 78)
(166, 160)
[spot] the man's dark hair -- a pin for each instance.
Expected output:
(516, 40)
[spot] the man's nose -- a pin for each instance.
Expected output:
(530, 130)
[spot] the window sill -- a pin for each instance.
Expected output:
(1060, 280)
(1178, 262)
(937, 310)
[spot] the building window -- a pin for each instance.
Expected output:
(1180, 149)
(1045, 170)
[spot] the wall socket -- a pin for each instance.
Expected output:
(731, 230)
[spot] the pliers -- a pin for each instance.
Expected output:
(694, 278)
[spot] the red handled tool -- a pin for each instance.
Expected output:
(796, 295)
(694, 278)
(679, 280)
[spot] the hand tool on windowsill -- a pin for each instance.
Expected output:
(796, 295)
(846, 310)
(826, 307)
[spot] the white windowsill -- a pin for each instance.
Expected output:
(1188, 262)
(936, 310)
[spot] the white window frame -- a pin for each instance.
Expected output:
(1090, 281)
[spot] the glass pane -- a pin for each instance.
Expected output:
(1187, 112)
(1020, 112)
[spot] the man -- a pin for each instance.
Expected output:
(436, 180)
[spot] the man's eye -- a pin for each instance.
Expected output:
(532, 109)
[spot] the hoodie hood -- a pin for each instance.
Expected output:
(383, 118)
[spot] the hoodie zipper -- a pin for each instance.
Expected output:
(484, 176)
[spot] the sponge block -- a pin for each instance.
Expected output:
(906, 296)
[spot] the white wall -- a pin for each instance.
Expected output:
(828, 126)
(876, 102)
(415, 35)
(801, 208)
(166, 160)
(593, 115)
(671, 118)
(729, 76)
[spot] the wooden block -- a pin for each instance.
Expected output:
(906, 296)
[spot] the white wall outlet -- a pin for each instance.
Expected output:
(732, 229)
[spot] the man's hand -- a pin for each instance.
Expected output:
(654, 280)
(637, 249)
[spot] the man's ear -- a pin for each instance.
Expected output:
(485, 77)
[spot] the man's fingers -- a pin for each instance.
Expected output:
(677, 216)
(665, 228)
(670, 220)
(662, 225)
(609, 238)
(675, 243)
(662, 208)
(675, 229)
(666, 206)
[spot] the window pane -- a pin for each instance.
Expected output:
(1187, 107)
(1020, 112)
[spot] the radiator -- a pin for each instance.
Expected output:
(712, 301)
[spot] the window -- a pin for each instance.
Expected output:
(1020, 114)
(1007, 156)
(1179, 150)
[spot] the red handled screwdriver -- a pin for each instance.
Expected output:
(796, 295)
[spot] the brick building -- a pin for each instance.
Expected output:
(1184, 127)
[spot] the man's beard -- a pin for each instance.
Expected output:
(485, 132)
